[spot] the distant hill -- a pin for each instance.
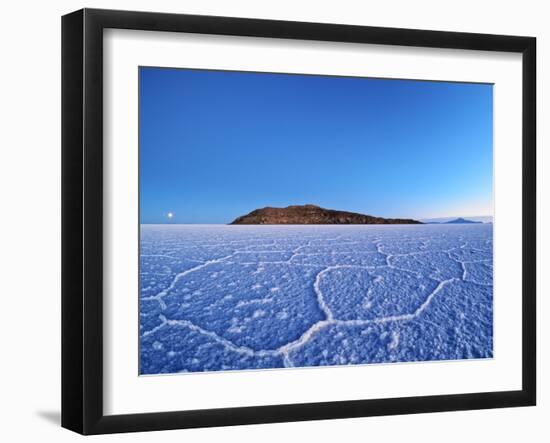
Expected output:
(456, 221)
(313, 215)
(461, 221)
(443, 220)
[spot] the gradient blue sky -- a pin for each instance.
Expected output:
(215, 145)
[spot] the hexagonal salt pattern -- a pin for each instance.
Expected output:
(216, 297)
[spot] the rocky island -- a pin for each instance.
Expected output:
(314, 215)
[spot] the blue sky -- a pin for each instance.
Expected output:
(215, 145)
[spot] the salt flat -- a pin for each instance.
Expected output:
(217, 297)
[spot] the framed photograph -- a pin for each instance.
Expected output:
(268, 221)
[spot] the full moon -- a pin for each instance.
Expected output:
(170, 215)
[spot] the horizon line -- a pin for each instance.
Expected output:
(319, 224)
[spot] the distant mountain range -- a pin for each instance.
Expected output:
(314, 215)
(456, 221)
(461, 221)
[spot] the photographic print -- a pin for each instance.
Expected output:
(293, 220)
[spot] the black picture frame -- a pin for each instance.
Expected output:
(82, 218)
